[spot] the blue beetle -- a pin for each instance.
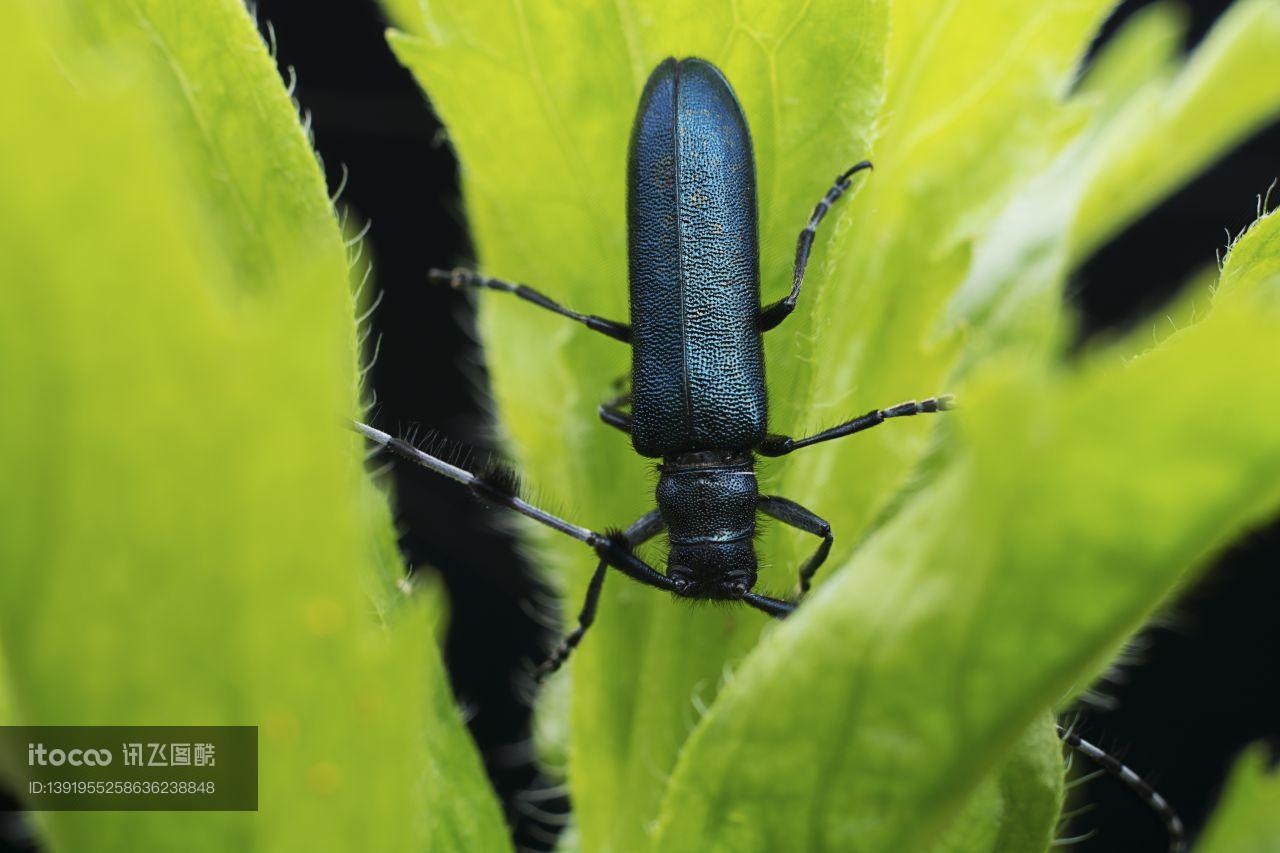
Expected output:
(697, 397)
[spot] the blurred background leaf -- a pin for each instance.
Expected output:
(187, 534)
(1179, 119)
(1150, 124)
(1248, 816)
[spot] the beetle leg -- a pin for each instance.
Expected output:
(781, 445)
(585, 617)
(646, 528)
(460, 278)
(778, 311)
(611, 413)
(790, 512)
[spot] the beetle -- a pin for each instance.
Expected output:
(698, 398)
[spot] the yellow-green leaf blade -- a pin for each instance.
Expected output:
(1248, 815)
(1015, 808)
(185, 533)
(1230, 88)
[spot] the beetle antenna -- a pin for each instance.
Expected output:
(495, 489)
(1172, 823)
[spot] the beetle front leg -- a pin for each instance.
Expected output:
(781, 445)
(648, 526)
(775, 607)
(585, 619)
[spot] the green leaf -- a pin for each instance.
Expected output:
(1252, 269)
(1171, 129)
(1120, 163)
(1248, 815)
(405, 15)
(228, 110)
(187, 533)
(1142, 50)
(972, 111)
(1016, 807)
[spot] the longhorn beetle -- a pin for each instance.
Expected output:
(697, 398)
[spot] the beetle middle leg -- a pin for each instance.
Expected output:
(647, 527)
(460, 278)
(778, 311)
(792, 513)
(611, 412)
(780, 445)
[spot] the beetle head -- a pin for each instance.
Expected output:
(716, 570)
